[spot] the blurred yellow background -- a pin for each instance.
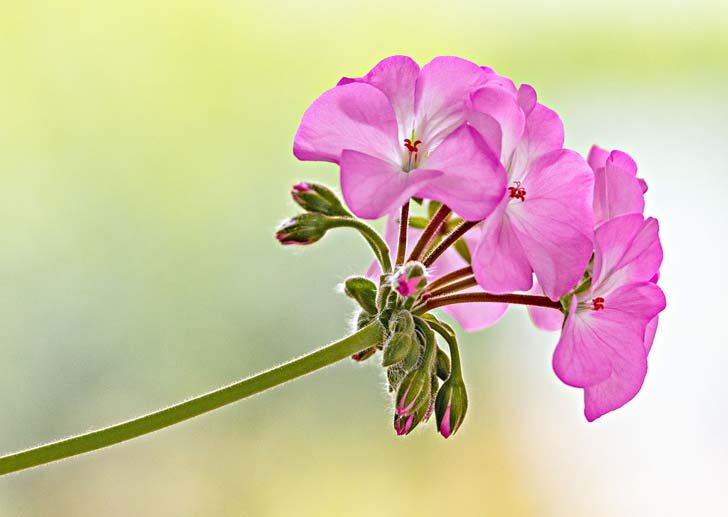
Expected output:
(145, 159)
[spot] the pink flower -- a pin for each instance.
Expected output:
(544, 223)
(617, 189)
(399, 132)
(610, 327)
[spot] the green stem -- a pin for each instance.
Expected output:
(448, 334)
(363, 339)
(381, 250)
(403, 228)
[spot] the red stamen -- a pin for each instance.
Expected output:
(412, 146)
(517, 192)
(598, 304)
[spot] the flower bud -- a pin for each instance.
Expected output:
(402, 322)
(364, 354)
(303, 229)
(410, 279)
(413, 393)
(397, 349)
(442, 365)
(363, 291)
(404, 425)
(451, 405)
(317, 198)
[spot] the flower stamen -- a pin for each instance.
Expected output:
(517, 192)
(598, 304)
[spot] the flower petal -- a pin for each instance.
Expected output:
(395, 76)
(440, 94)
(597, 157)
(527, 98)
(354, 116)
(473, 182)
(499, 261)
(503, 107)
(627, 250)
(603, 350)
(373, 187)
(616, 192)
(544, 317)
(554, 223)
(543, 133)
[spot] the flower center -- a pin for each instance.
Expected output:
(517, 191)
(413, 153)
(598, 304)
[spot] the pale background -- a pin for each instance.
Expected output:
(145, 158)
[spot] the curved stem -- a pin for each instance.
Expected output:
(403, 227)
(429, 232)
(448, 241)
(448, 334)
(381, 250)
(363, 339)
(454, 287)
(517, 299)
(450, 277)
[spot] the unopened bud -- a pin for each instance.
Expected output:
(364, 354)
(317, 198)
(413, 393)
(442, 365)
(404, 425)
(397, 349)
(303, 229)
(410, 279)
(450, 407)
(363, 291)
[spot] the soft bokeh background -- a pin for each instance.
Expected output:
(145, 158)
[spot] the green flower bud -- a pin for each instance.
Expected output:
(317, 198)
(363, 291)
(402, 322)
(303, 229)
(451, 405)
(397, 349)
(413, 393)
(442, 365)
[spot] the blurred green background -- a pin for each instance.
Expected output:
(145, 158)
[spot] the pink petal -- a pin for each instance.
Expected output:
(627, 250)
(616, 192)
(373, 187)
(527, 98)
(395, 76)
(554, 223)
(503, 107)
(604, 350)
(473, 182)
(629, 349)
(440, 94)
(499, 261)
(580, 358)
(650, 333)
(622, 161)
(597, 157)
(354, 116)
(543, 317)
(543, 133)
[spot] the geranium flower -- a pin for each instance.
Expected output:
(610, 326)
(400, 132)
(544, 223)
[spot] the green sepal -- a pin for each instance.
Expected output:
(442, 365)
(363, 291)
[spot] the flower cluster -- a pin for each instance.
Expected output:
(485, 208)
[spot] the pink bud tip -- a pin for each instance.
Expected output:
(445, 430)
(406, 287)
(402, 430)
(301, 187)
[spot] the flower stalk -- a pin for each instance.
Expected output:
(361, 340)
